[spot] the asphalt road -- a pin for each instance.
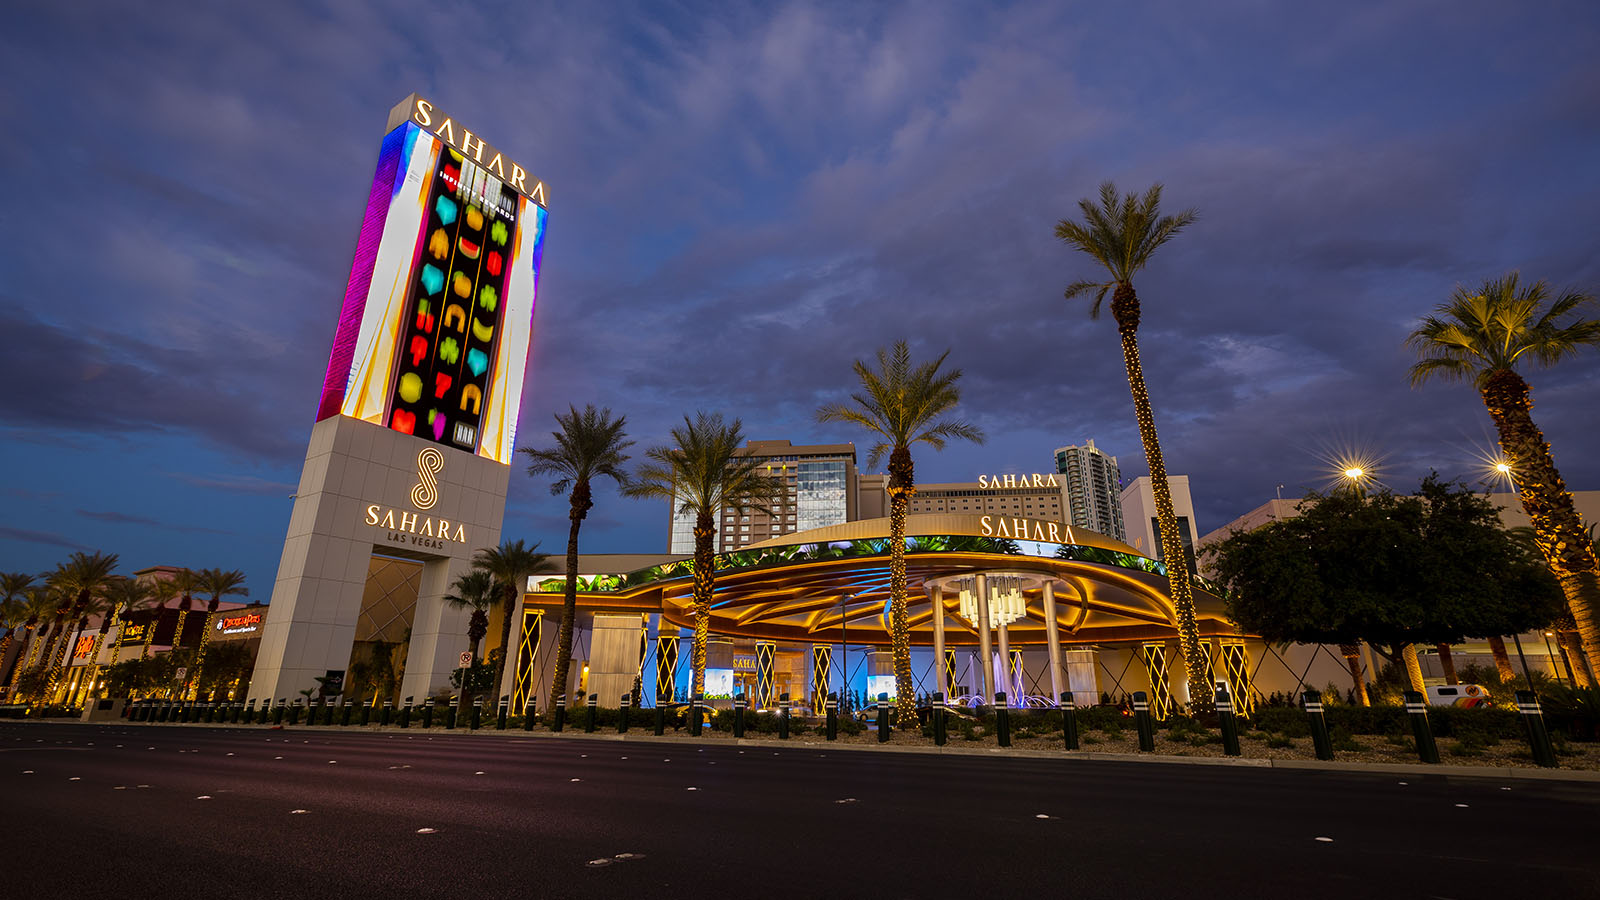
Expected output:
(173, 812)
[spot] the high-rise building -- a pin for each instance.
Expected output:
(821, 482)
(1021, 500)
(1093, 485)
(1139, 512)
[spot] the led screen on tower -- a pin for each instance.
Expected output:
(433, 338)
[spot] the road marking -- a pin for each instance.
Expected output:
(692, 789)
(297, 812)
(427, 831)
(1325, 840)
(203, 797)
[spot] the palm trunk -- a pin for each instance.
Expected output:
(577, 509)
(1408, 652)
(1502, 661)
(1577, 664)
(1560, 533)
(116, 647)
(1447, 663)
(705, 582)
(205, 639)
(60, 662)
(1352, 659)
(902, 484)
(1125, 308)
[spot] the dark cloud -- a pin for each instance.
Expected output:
(47, 538)
(118, 518)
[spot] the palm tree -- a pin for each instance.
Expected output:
(475, 591)
(162, 590)
(15, 588)
(509, 565)
(83, 578)
(704, 472)
(218, 583)
(123, 596)
(900, 405)
(589, 445)
(1485, 335)
(38, 606)
(187, 581)
(1122, 233)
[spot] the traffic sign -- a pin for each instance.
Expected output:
(466, 659)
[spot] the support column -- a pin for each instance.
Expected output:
(1005, 667)
(985, 647)
(766, 654)
(666, 666)
(1052, 638)
(821, 675)
(936, 601)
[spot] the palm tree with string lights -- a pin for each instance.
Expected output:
(129, 597)
(38, 604)
(83, 578)
(588, 445)
(1121, 233)
(702, 473)
(509, 565)
(218, 583)
(902, 404)
(475, 591)
(15, 589)
(1486, 335)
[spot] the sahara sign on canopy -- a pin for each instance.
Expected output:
(438, 312)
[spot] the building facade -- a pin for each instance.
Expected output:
(1023, 498)
(1093, 485)
(1139, 516)
(821, 489)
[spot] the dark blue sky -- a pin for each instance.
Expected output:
(745, 199)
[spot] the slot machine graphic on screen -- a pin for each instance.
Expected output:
(433, 339)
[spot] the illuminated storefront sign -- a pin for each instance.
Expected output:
(241, 624)
(433, 337)
(84, 647)
(132, 634)
(1018, 481)
(1025, 529)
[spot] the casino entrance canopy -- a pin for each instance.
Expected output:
(831, 584)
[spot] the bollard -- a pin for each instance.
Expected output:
(211, 711)
(528, 712)
(1311, 701)
(939, 735)
(163, 708)
(405, 714)
(344, 714)
(883, 718)
(1229, 724)
(280, 710)
(477, 714)
(366, 711)
(388, 711)
(696, 712)
(238, 709)
(1141, 719)
(247, 713)
(560, 721)
(184, 711)
(661, 715)
(294, 712)
(1069, 720)
(427, 713)
(503, 714)
(1417, 707)
(783, 717)
(327, 712)
(622, 713)
(1538, 737)
(594, 710)
(832, 707)
(1002, 719)
(451, 711)
(739, 703)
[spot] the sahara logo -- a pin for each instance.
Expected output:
(430, 462)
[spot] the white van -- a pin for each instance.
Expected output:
(1466, 695)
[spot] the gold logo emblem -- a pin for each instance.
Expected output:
(430, 462)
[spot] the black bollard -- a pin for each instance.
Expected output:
(405, 714)
(696, 714)
(211, 711)
(1069, 720)
(388, 710)
(1229, 724)
(594, 713)
(661, 715)
(280, 710)
(528, 715)
(939, 733)
(783, 717)
(427, 713)
(248, 711)
(184, 711)
(622, 713)
(366, 711)
(238, 710)
(1002, 719)
(477, 713)
(1311, 701)
(883, 718)
(560, 721)
(294, 713)
(1538, 737)
(327, 712)
(344, 714)
(1142, 721)
(738, 715)
(831, 705)
(1417, 707)
(451, 711)
(502, 713)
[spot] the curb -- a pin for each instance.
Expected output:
(1305, 765)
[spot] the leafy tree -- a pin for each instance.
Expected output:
(509, 565)
(1486, 335)
(704, 471)
(588, 445)
(1121, 233)
(1392, 571)
(901, 404)
(475, 591)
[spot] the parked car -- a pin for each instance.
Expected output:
(1464, 695)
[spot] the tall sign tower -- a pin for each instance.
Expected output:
(415, 430)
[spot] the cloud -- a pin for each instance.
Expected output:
(117, 518)
(48, 538)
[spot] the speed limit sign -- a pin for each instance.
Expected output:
(466, 659)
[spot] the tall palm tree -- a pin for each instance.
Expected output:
(703, 472)
(901, 404)
(39, 605)
(509, 565)
(163, 590)
(589, 445)
(475, 591)
(128, 596)
(218, 583)
(1121, 233)
(1486, 335)
(83, 578)
(187, 581)
(15, 588)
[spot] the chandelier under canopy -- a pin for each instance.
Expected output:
(1006, 603)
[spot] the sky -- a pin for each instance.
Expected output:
(744, 199)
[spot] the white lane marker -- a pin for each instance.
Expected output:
(27, 771)
(332, 761)
(1044, 816)
(203, 797)
(1461, 806)
(427, 831)
(692, 789)
(628, 856)
(846, 800)
(120, 787)
(142, 785)
(1505, 789)
(76, 778)
(597, 863)
(1403, 783)
(1325, 840)
(577, 779)
(230, 754)
(475, 773)
(297, 812)
(277, 757)
(624, 757)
